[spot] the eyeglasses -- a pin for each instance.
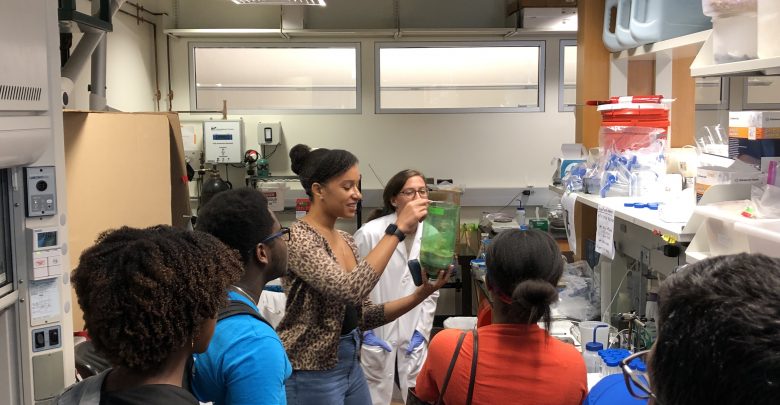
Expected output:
(637, 380)
(410, 192)
(284, 232)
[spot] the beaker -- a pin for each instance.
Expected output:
(440, 231)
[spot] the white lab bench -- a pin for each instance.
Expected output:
(639, 246)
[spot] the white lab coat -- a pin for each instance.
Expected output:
(395, 282)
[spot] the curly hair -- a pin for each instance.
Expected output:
(146, 292)
(718, 333)
(319, 165)
(239, 218)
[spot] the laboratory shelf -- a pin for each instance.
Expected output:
(704, 64)
(652, 219)
(648, 51)
(643, 217)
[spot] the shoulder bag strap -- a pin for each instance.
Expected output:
(449, 370)
(473, 366)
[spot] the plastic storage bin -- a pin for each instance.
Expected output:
(657, 20)
(734, 29)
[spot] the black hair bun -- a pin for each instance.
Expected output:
(298, 155)
(535, 293)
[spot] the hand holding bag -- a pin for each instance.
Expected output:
(412, 399)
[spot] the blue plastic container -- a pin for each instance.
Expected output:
(657, 20)
(608, 34)
(623, 25)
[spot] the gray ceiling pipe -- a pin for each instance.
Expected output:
(92, 44)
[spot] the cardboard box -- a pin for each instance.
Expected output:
(122, 169)
(737, 173)
(754, 124)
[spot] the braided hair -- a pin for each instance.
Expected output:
(146, 292)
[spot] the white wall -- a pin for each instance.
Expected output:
(497, 153)
(130, 75)
(490, 150)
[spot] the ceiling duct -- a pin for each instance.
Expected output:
(282, 2)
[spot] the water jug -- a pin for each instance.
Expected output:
(608, 35)
(623, 25)
(657, 20)
(440, 231)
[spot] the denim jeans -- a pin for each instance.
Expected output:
(344, 384)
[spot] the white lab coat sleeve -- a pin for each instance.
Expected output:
(427, 310)
(363, 241)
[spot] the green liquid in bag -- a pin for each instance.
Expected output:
(440, 231)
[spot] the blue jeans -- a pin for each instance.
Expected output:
(344, 384)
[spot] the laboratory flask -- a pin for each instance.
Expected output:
(440, 231)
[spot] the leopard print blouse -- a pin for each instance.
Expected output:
(317, 291)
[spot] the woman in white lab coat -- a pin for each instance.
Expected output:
(402, 343)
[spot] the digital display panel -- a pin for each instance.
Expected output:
(222, 137)
(47, 239)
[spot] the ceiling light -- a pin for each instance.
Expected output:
(282, 2)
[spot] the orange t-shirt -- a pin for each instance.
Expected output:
(516, 364)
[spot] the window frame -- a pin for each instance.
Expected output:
(540, 44)
(562, 107)
(358, 85)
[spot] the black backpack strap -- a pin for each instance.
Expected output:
(236, 307)
(449, 369)
(473, 366)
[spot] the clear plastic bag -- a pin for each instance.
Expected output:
(633, 162)
(579, 297)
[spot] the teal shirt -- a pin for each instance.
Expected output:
(244, 364)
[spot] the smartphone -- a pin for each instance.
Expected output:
(416, 270)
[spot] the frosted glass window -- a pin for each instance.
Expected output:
(463, 77)
(567, 85)
(313, 78)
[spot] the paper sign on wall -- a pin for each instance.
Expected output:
(605, 229)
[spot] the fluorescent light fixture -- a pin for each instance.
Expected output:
(282, 2)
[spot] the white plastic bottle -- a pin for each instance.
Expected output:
(520, 216)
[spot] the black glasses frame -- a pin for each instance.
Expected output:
(282, 232)
(409, 193)
(639, 379)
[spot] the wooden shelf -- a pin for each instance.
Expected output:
(647, 52)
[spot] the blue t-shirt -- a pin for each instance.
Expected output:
(245, 363)
(611, 390)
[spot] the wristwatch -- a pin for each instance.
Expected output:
(392, 229)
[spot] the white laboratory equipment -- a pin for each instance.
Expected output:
(36, 328)
(222, 141)
(269, 133)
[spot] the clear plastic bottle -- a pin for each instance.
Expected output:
(592, 358)
(520, 215)
(611, 366)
